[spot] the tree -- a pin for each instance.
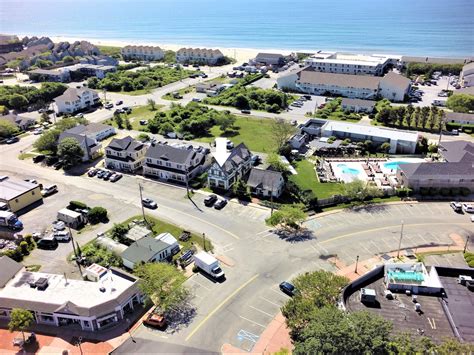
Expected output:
(47, 141)
(70, 152)
(276, 164)
(97, 214)
(409, 115)
(70, 122)
(118, 232)
(226, 122)
(289, 217)
(385, 147)
(7, 128)
(128, 125)
(143, 137)
(282, 131)
(163, 284)
(152, 104)
(242, 102)
(20, 320)
(417, 116)
(424, 114)
(118, 119)
(401, 113)
(241, 189)
(359, 190)
(17, 102)
(461, 103)
(68, 59)
(434, 117)
(45, 118)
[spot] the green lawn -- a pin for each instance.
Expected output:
(254, 132)
(333, 111)
(109, 50)
(187, 90)
(138, 113)
(306, 179)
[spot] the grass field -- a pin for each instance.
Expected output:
(306, 179)
(109, 50)
(138, 113)
(254, 132)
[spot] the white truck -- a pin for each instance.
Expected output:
(208, 264)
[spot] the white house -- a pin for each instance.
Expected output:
(169, 239)
(142, 52)
(403, 142)
(394, 87)
(198, 55)
(89, 145)
(146, 250)
(467, 75)
(97, 131)
(460, 118)
(22, 122)
(357, 105)
(125, 154)
(59, 301)
(171, 163)
(226, 170)
(73, 100)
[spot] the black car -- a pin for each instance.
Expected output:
(50, 160)
(220, 204)
(210, 200)
(119, 102)
(107, 175)
(58, 165)
(48, 243)
(287, 288)
(38, 158)
(92, 172)
(149, 203)
(12, 140)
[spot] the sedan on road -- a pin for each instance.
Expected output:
(149, 203)
(119, 102)
(220, 204)
(12, 140)
(115, 177)
(210, 200)
(287, 288)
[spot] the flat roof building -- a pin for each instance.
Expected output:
(60, 301)
(18, 194)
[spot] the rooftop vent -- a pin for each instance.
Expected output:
(42, 283)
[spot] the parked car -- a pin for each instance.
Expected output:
(109, 105)
(287, 288)
(155, 320)
(58, 226)
(101, 173)
(38, 131)
(33, 181)
(38, 158)
(467, 207)
(149, 203)
(62, 236)
(118, 103)
(107, 175)
(220, 204)
(196, 99)
(92, 172)
(210, 200)
(247, 112)
(51, 159)
(79, 115)
(49, 190)
(58, 165)
(12, 140)
(48, 243)
(456, 206)
(143, 122)
(115, 177)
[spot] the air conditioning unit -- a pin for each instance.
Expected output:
(463, 278)
(367, 295)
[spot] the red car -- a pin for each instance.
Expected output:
(155, 320)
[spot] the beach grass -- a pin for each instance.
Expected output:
(254, 132)
(109, 50)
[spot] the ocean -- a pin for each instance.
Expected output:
(415, 27)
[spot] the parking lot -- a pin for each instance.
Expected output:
(430, 93)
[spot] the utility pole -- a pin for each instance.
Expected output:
(204, 241)
(75, 251)
(105, 95)
(467, 241)
(400, 241)
(441, 122)
(357, 263)
(141, 202)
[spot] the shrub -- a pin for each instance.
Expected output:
(24, 249)
(76, 205)
(433, 191)
(97, 214)
(465, 191)
(444, 191)
(424, 191)
(455, 191)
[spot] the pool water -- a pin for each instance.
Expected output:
(347, 170)
(394, 165)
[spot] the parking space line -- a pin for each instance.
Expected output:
(251, 321)
(200, 285)
(273, 303)
(263, 312)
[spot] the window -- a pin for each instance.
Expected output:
(148, 160)
(168, 164)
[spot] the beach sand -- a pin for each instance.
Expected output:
(239, 54)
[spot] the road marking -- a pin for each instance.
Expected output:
(273, 303)
(200, 285)
(389, 227)
(204, 221)
(251, 321)
(263, 312)
(219, 306)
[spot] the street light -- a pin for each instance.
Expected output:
(400, 241)
(79, 342)
(128, 330)
(467, 241)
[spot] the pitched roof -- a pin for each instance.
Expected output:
(17, 119)
(125, 144)
(457, 151)
(91, 128)
(396, 80)
(81, 139)
(342, 80)
(266, 179)
(143, 250)
(437, 170)
(9, 269)
(12, 188)
(72, 94)
(468, 66)
(173, 154)
(358, 102)
(236, 157)
(269, 55)
(460, 116)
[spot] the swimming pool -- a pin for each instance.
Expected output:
(394, 164)
(347, 170)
